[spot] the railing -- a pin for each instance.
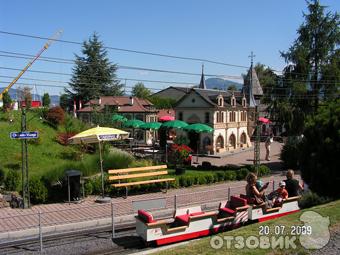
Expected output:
(42, 223)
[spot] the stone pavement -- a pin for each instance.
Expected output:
(246, 157)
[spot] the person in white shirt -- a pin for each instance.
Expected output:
(268, 142)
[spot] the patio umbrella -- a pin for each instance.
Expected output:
(175, 124)
(264, 120)
(151, 125)
(118, 118)
(133, 124)
(166, 118)
(98, 135)
(199, 128)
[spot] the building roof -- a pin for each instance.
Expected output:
(210, 96)
(123, 104)
(202, 82)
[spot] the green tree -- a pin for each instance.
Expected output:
(232, 87)
(65, 102)
(93, 74)
(320, 150)
(162, 103)
(27, 97)
(312, 56)
(140, 91)
(46, 100)
(7, 101)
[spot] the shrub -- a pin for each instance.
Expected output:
(88, 187)
(38, 191)
(62, 138)
(71, 155)
(220, 176)
(241, 173)
(179, 154)
(2, 175)
(209, 178)
(190, 181)
(116, 159)
(290, 153)
(263, 170)
(230, 175)
(55, 115)
(310, 199)
(182, 140)
(12, 180)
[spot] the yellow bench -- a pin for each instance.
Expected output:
(127, 174)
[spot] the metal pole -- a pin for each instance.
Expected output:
(68, 189)
(229, 190)
(101, 167)
(40, 232)
(273, 185)
(27, 179)
(23, 165)
(197, 150)
(112, 220)
(175, 201)
(166, 152)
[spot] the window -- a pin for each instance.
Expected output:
(220, 101)
(139, 117)
(152, 119)
(207, 117)
(220, 117)
(232, 116)
(244, 102)
(243, 116)
(180, 115)
(233, 101)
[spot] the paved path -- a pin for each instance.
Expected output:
(64, 213)
(247, 157)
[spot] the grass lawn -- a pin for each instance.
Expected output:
(47, 154)
(331, 210)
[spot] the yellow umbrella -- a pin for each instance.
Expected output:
(98, 135)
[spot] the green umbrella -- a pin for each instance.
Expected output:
(133, 123)
(175, 124)
(199, 128)
(151, 125)
(118, 118)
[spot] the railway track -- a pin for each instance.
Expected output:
(89, 242)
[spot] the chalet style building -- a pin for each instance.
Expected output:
(129, 107)
(231, 114)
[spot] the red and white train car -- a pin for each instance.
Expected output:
(192, 222)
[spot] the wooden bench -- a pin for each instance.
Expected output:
(127, 174)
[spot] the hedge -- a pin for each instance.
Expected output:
(187, 180)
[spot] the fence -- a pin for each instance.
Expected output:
(79, 217)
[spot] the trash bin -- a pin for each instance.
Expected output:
(73, 185)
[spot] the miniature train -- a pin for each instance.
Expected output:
(192, 222)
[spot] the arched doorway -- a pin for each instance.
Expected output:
(232, 141)
(219, 143)
(207, 145)
(243, 138)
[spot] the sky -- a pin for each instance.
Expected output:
(220, 30)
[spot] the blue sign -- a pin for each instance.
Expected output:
(24, 135)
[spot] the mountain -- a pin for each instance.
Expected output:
(221, 84)
(54, 98)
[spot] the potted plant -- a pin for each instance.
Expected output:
(181, 156)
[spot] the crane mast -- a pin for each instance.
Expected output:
(47, 44)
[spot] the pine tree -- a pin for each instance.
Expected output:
(46, 100)
(93, 74)
(310, 57)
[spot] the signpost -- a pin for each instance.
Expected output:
(24, 135)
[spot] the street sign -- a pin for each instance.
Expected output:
(24, 135)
